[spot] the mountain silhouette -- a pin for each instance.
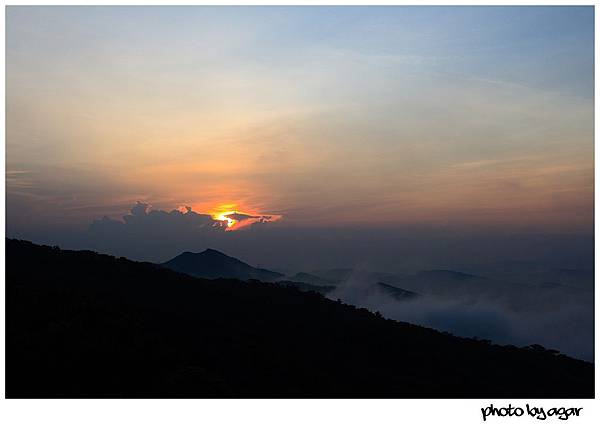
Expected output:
(212, 264)
(80, 325)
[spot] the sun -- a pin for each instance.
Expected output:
(223, 217)
(235, 218)
(221, 213)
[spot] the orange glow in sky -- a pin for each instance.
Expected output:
(416, 140)
(224, 211)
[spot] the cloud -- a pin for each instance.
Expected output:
(143, 217)
(240, 217)
(164, 233)
(242, 221)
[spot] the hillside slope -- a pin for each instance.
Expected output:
(79, 324)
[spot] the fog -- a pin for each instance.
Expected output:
(556, 316)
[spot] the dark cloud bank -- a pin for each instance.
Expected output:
(530, 288)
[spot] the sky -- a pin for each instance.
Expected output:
(322, 122)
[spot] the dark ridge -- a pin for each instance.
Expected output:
(80, 324)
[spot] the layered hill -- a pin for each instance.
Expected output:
(80, 324)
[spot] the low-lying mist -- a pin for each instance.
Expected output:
(555, 316)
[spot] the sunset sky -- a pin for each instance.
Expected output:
(313, 116)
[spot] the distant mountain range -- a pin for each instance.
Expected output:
(213, 264)
(440, 284)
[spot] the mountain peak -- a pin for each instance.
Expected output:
(210, 251)
(213, 264)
